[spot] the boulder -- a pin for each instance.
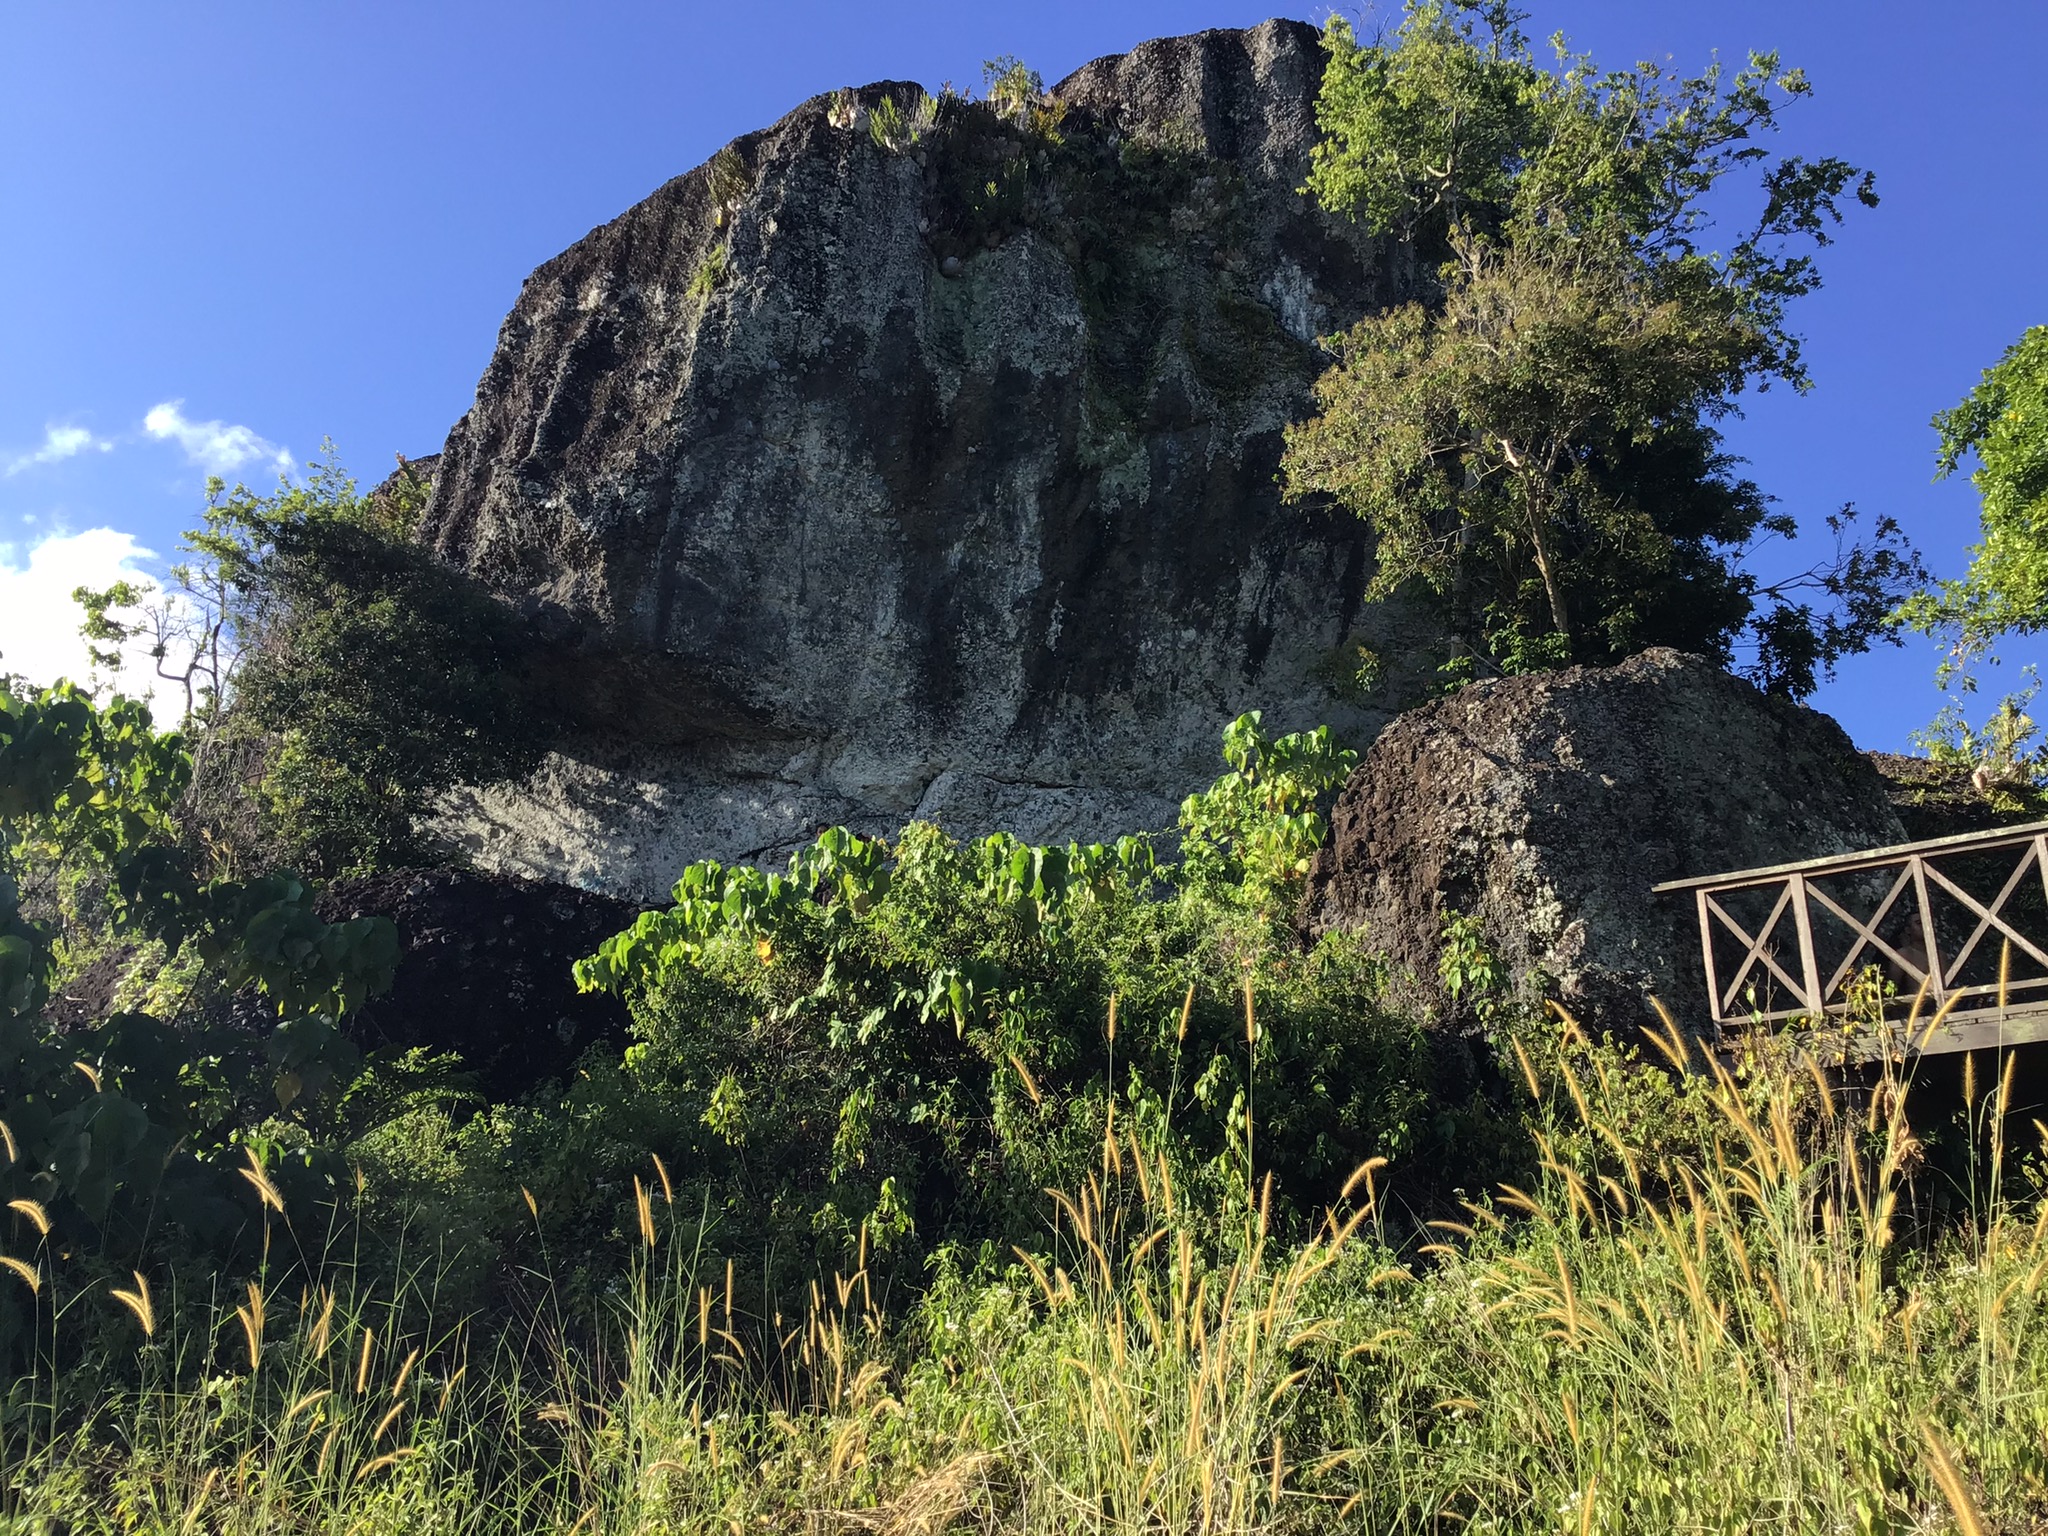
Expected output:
(485, 971)
(1941, 800)
(1547, 807)
(865, 474)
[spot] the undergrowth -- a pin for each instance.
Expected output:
(965, 1186)
(1708, 1311)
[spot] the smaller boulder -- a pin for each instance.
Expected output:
(1547, 806)
(485, 971)
(1942, 799)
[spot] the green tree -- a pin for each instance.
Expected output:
(117, 1122)
(185, 627)
(2004, 422)
(1533, 440)
(336, 674)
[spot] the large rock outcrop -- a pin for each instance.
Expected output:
(863, 474)
(1547, 807)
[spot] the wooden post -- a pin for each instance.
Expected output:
(2041, 858)
(1938, 985)
(1809, 963)
(1707, 954)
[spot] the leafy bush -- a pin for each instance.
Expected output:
(338, 677)
(2003, 422)
(120, 1127)
(898, 1045)
(378, 676)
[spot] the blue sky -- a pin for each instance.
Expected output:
(233, 229)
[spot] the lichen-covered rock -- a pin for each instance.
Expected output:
(860, 480)
(1547, 807)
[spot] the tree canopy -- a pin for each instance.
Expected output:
(333, 667)
(1533, 438)
(2004, 423)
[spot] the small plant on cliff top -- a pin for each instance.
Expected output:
(727, 182)
(1010, 85)
(897, 131)
(845, 110)
(2003, 752)
(710, 275)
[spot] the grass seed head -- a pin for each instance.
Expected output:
(138, 1301)
(29, 1274)
(266, 1191)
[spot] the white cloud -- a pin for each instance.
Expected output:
(39, 622)
(59, 443)
(218, 447)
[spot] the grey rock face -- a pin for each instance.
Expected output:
(830, 535)
(1547, 806)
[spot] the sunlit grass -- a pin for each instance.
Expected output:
(1709, 1313)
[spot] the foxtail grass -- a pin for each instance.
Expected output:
(1711, 1309)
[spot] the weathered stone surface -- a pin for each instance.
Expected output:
(1547, 806)
(825, 534)
(1939, 800)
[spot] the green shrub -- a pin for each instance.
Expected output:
(899, 1045)
(137, 1133)
(340, 678)
(379, 676)
(711, 273)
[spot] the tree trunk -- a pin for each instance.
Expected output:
(1560, 618)
(1533, 502)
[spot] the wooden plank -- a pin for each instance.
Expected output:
(1990, 989)
(1840, 863)
(1927, 937)
(1809, 962)
(1974, 1019)
(2004, 1028)
(1707, 955)
(1982, 1030)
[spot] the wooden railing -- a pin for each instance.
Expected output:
(1956, 926)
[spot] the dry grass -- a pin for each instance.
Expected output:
(1707, 1314)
